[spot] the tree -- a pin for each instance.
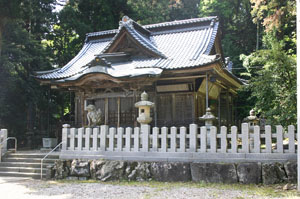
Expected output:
(77, 18)
(24, 24)
(153, 11)
(272, 69)
(238, 30)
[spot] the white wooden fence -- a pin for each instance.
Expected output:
(195, 144)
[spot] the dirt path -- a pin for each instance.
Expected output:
(22, 188)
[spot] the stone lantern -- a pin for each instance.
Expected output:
(252, 121)
(144, 109)
(208, 119)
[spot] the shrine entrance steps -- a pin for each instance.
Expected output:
(26, 163)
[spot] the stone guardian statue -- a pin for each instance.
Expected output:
(94, 116)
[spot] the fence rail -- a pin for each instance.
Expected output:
(180, 144)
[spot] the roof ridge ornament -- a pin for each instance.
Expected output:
(126, 21)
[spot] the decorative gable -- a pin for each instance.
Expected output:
(134, 40)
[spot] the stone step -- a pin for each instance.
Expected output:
(22, 169)
(31, 155)
(23, 164)
(32, 160)
(19, 174)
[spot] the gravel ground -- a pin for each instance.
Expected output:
(22, 188)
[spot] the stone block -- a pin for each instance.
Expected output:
(139, 171)
(291, 171)
(111, 170)
(50, 172)
(61, 170)
(80, 168)
(249, 173)
(273, 173)
(96, 165)
(171, 171)
(71, 178)
(214, 172)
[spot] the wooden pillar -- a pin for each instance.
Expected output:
(227, 107)
(173, 107)
(195, 108)
(119, 111)
(232, 110)
(76, 109)
(206, 91)
(106, 111)
(219, 109)
(155, 106)
(82, 99)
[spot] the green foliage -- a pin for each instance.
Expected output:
(273, 82)
(154, 11)
(77, 18)
(238, 30)
(272, 70)
(23, 102)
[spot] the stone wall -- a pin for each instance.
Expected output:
(109, 170)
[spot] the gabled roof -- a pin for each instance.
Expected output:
(164, 46)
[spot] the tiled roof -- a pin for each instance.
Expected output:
(178, 44)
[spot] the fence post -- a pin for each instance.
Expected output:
(72, 139)
(79, 138)
(279, 138)
(256, 139)
(182, 139)
(193, 137)
(136, 141)
(4, 145)
(103, 136)
(268, 138)
(245, 137)
(65, 132)
(155, 139)
(145, 130)
(203, 139)
(128, 132)
(120, 139)
(173, 139)
(223, 139)
(95, 138)
(291, 135)
(87, 138)
(112, 132)
(164, 132)
(213, 139)
(234, 148)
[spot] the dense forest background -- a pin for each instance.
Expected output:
(259, 36)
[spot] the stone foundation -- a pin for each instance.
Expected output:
(109, 170)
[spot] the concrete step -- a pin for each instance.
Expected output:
(31, 155)
(22, 169)
(24, 164)
(18, 174)
(32, 160)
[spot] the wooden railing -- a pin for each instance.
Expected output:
(180, 144)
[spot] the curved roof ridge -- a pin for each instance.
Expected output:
(150, 26)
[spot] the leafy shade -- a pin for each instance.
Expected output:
(273, 82)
